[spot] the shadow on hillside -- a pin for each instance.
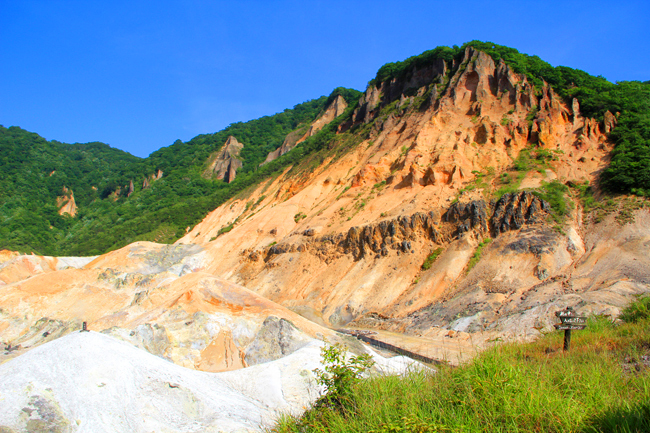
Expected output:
(619, 420)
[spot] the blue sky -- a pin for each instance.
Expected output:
(140, 74)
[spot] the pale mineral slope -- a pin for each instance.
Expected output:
(89, 382)
(16, 267)
(158, 298)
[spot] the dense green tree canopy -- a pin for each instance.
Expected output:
(34, 171)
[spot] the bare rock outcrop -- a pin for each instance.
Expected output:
(395, 234)
(66, 203)
(224, 163)
(131, 188)
(151, 179)
(276, 338)
(512, 211)
(382, 94)
(468, 216)
(609, 122)
(332, 111)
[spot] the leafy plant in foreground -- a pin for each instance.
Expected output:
(339, 374)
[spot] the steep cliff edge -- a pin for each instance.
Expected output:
(224, 163)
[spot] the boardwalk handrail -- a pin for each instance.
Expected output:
(393, 348)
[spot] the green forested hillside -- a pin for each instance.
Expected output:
(33, 172)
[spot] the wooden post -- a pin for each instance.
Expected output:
(567, 340)
(569, 322)
(567, 332)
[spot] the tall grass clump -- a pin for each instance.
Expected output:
(600, 385)
(637, 311)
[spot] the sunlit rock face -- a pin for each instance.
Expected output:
(344, 243)
(224, 163)
(445, 166)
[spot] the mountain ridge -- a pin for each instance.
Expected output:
(456, 204)
(190, 197)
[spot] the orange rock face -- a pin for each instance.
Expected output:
(66, 203)
(401, 232)
(418, 159)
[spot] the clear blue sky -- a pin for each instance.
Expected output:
(140, 74)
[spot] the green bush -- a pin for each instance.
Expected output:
(431, 258)
(340, 374)
(300, 215)
(225, 229)
(639, 310)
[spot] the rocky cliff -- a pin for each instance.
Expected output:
(347, 241)
(332, 111)
(66, 203)
(449, 204)
(224, 163)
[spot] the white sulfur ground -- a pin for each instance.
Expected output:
(90, 382)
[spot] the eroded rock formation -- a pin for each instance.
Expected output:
(332, 111)
(510, 212)
(224, 163)
(66, 203)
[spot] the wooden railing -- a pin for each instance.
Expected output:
(387, 346)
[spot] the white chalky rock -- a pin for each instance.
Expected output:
(90, 382)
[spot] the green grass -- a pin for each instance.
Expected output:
(477, 254)
(597, 209)
(534, 387)
(638, 311)
(529, 158)
(554, 193)
(431, 258)
(225, 229)
(379, 186)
